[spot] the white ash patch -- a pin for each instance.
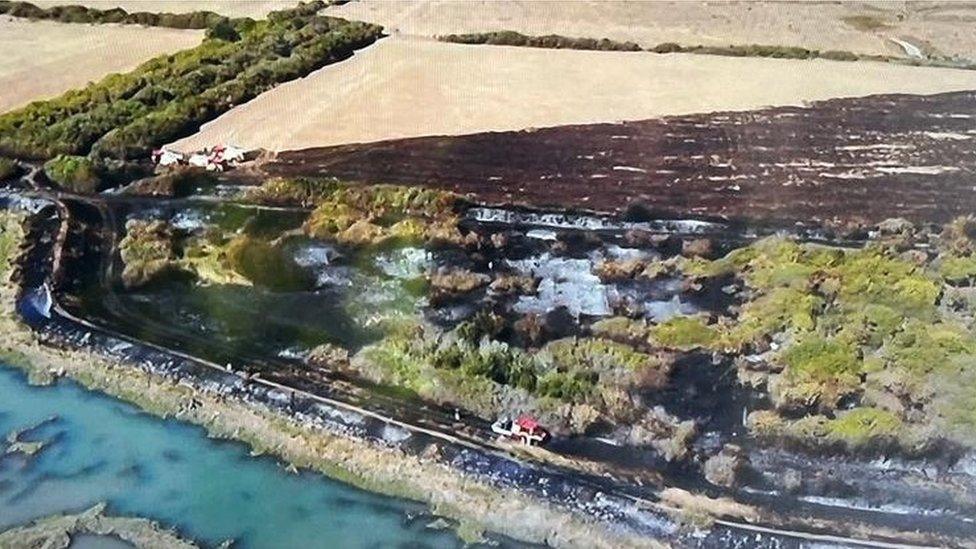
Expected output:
(405, 263)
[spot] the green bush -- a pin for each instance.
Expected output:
(552, 41)
(83, 14)
(684, 332)
(8, 169)
(266, 265)
(223, 30)
(571, 386)
(74, 173)
(818, 359)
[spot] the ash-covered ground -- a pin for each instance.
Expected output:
(842, 161)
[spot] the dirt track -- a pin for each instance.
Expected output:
(845, 160)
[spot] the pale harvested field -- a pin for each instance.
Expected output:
(939, 27)
(410, 87)
(43, 59)
(230, 8)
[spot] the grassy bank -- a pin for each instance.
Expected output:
(382, 470)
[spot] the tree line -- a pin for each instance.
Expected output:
(124, 116)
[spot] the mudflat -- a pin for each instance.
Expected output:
(43, 59)
(406, 87)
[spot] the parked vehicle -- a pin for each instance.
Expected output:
(216, 159)
(524, 429)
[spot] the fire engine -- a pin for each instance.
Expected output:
(525, 429)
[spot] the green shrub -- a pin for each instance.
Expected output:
(684, 332)
(301, 191)
(819, 359)
(958, 269)
(8, 169)
(568, 386)
(266, 265)
(483, 324)
(83, 14)
(223, 30)
(74, 173)
(552, 41)
(861, 426)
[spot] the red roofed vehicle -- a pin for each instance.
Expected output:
(524, 429)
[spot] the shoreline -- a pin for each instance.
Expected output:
(59, 531)
(389, 471)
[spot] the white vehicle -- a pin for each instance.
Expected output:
(216, 159)
(233, 155)
(166, 157)
(524, 429)
(199, 160)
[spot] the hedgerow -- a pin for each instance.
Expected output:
(124, 116)
(84, 14)
(553, 41)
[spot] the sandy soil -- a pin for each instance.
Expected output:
(43, 59)
(863, 27)
(404, 87)
(231, 8)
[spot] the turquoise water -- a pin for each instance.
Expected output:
(100, 449)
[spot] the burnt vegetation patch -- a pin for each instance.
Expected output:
(842, 163)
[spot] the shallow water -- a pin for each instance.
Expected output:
(100, 449)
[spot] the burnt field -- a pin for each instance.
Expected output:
(842, 161)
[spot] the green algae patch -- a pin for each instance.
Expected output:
(685, 332)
